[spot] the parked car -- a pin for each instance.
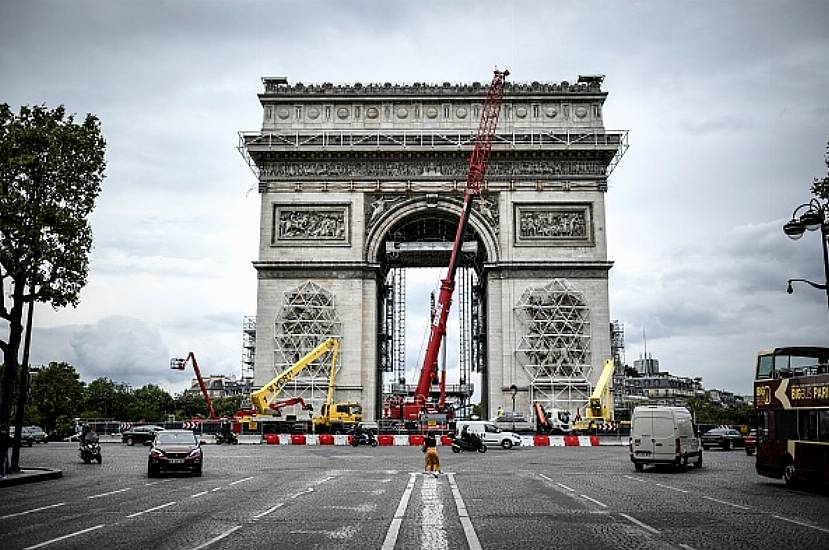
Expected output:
(140, 434)
(37, 434)
(175, 450)
(726, 438)
(514, 422)
(26, 438)
(663, 435)
(750, 442)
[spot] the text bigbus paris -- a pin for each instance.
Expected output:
(791, 396)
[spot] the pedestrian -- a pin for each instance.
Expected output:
(430, 447)
(500, 411)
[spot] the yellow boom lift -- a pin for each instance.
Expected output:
(335, 417)
(599, 409)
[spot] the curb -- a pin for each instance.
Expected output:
(31, 475)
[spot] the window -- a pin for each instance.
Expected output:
(807, 425)
(489, 428)
(765, 366)
(535, 111)
(342, 409)
(762, 426)
(785, 425)
(445, 110)
(823, 425)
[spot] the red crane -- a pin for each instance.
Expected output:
(179, 364)
(411, 410)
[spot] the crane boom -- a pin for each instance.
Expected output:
(268, 394)
(476, 174)
(179, 364)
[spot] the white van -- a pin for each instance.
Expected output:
(663, 435)
(489, 432)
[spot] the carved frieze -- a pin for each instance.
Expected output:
(486, 205)
(565, 224)
(415, 168)
(313, 224)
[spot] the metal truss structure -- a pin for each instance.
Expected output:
(575, 139)
(393, 337)
(248, 347)
(617, 344)
(555, 347)
(307, 317)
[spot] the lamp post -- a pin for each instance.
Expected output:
(813, 219)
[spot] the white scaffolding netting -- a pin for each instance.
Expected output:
(308, 316)
(554, 349)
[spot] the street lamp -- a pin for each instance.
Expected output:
(814, 218)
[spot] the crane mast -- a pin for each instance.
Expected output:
(475, 177)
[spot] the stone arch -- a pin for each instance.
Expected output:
(483, 228)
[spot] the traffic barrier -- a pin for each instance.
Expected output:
(326, 439)
(312, 439)
(385, 440)
(416, 440)
(571, 441)
(298, 439)
(340, 439)
(401, 440)
(446, 440)
(594, 441)
(272, 439)
(556, 441)
(541, 440)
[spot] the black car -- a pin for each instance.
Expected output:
(140, 434)
(722, 437)
(175, 450)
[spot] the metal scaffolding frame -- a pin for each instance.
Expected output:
(465, 317)
(248, 347)
(555, 347)
(398, 335)
(307, 317)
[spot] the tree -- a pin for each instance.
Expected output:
(57, 391)
(152, 404)
(820, 187)
(50, 175)
(104, 398)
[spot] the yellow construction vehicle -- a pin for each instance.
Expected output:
(335, 417)
(599, 409)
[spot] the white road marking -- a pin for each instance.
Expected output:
(740, 506)
(644, 526)
(593, 500)
(303, 492)
(671, 488)
(64, 537)
(468, 529)
(269, 510)
(686, 547)
(802, 524)
(198, 494)
(217, 539)
(167, 480)
(432, 531)
(563, 486)
(240, 480)
(32, 510)
(151, 483)
(151, 509)
(111, 493)
(639, 479)
(394, 528)
(216, 489)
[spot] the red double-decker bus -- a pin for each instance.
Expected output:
(791, 397)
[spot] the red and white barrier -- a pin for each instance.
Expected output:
(396, 440)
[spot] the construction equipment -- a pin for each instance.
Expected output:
(551, 421)
(419, 405)
(599, 409)
(334, 416)
(180, 364)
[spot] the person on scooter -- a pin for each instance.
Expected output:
(87, 435)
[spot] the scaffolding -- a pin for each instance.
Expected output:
(617, 344)
(248, 347)
(465, 318)
(398, 334)
(555, 347)
(307, 317)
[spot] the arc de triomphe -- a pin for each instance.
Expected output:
(352, 177)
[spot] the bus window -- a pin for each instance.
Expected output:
(823, 425)
(785, 425)
(762, 426)
(807, 424)
(764, 366)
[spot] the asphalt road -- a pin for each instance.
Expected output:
(341, 497)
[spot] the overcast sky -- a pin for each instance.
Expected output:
(726, 103)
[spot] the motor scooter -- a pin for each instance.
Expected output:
(365, 438)
(228, 437)
(470, 443)
(89, 451)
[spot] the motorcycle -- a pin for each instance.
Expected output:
(90, 451)
(364, 439)
(230, 438)
(470, 444)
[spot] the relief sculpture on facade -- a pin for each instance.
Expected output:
(552, 223)
(311, 224)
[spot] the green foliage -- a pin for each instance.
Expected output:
(706, 412)
(56, 391)
(820, 187)
(106, 399)
(151, 404)
(226, 406)
(189, 406)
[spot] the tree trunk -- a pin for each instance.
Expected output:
(10, 361)
(22, 387)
